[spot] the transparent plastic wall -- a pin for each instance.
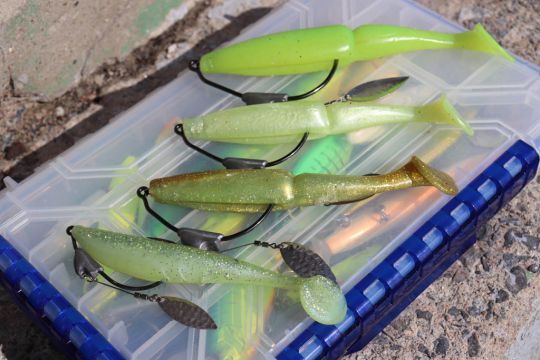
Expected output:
(94, 183)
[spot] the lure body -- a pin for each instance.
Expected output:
(254, 190)
(276, 123)
(152, 260)
(314, 49)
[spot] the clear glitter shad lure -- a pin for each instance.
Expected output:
(160, 261)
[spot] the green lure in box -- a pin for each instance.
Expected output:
(315, 49)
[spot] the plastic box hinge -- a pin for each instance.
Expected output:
(499, 175)
(108, 355)
(307, 346)
(388, 275)
(93, 346)
(445, 224)
(66, 320)
(55, 307)
(418, 249)
(477, 203)
(16, 271)
(358, 303)
(41, 296)
(8, 258)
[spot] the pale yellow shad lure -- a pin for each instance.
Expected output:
(277, 123)
(254, 190)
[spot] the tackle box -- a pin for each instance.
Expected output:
(384, 250)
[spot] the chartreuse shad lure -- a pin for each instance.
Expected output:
(258, 190)
(161, 261)
(319, 49)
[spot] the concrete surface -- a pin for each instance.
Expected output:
(49, 45)
(477, 309)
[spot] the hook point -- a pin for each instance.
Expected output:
(69, 229)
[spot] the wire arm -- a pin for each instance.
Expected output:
(194, 237)
(250, 227)
(143, 193)
(240, 163)
(258, 98)
(318, 87)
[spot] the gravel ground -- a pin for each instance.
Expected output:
(477, 307)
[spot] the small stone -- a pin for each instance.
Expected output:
(59, 111)
(23, 79)
(474, 310)
(510, 237)
(530, 241)
(533, 268)
(423, 349)
(426, 315)
(502, 296)
(512, 260)
(401, 323)
(454, 311)
(460, 276)
(517, 280)
(473, 346)
(99, 79)
(172, 48)
(484, 260)
(441, 345)
(490, 310)
(470, 257)
(481, 232)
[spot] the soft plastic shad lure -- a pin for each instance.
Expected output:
(165, 262)
(254, 190)
(282, 122)
(310, 50)
(277, 123)
(316, 49)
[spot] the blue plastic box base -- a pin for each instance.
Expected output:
(373, 303)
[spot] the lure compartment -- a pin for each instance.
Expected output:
(94, 183)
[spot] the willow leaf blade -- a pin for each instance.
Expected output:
(186, 313)
(304, 262)
(375, 89)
